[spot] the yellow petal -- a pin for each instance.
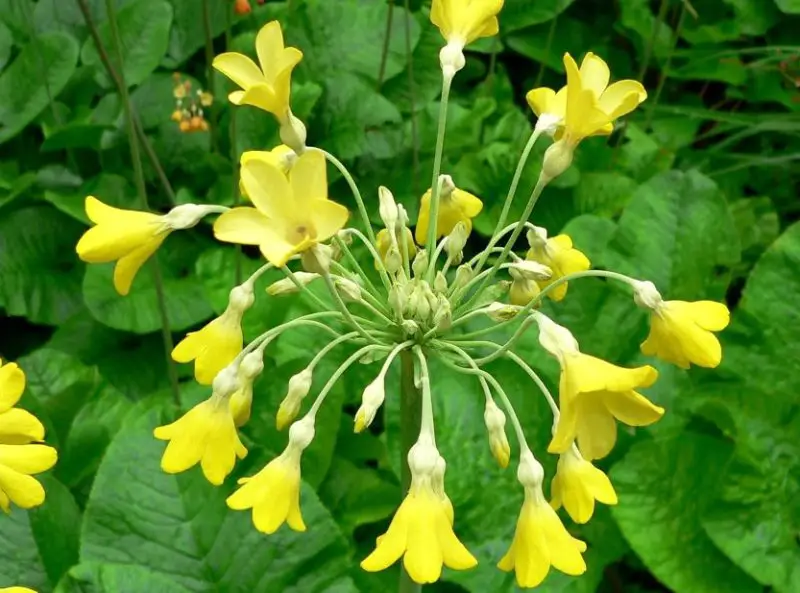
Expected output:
(390, 547)
(28, 459)
(212, 348)
(309, 180)
(278, 250)
(565, 551)
(423, 219)
(239, 68)
(541, 100)
(246, 226)
(632, 408)
(621, 98)
(127, 266)
(268, 188)
(12, 384)
(469, 204)
(596, 430)
(19, 427)
(23, 490)
(269, 46)
(264, 96)
(594, 74)
(327, 218)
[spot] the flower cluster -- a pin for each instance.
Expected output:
(418, 299)
(188, 113)
(22, 454)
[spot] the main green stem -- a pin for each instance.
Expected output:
(410, 418)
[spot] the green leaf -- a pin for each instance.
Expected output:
(38, 546)
(788, 6)
(75, 135)
(40, 271)
(188, 30)
(518, 14)
(100, 577)
(605, 194)
(179, 528)
(6, 42)
(663, 488)
(35, 78)
(138, 312)
(144, 33)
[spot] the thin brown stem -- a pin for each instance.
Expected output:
(387, 37)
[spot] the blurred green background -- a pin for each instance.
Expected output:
(697, 191)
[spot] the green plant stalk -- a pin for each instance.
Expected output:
(133, 140)
(412, 95)
(410, 420)
(436, 190)
(387, 37)
(662, 80)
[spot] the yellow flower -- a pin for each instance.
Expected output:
(455, 205)
(281, 156)
(383, 242)
(126, 236)
(422, 532)
(268, 86)
(17, 426)
(588, 105)
(680, 332)
(593, 393)
(464, 21)
(17, 464)
(558, 254)
(17, 590)
(290, 215)
(206, 434)
(541, 541)
(578, 484)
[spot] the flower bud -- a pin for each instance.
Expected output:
(557, 159)
(646, 295)
(501, 312)
(440, 282)
(447, 186)
(455, 242)
(186, 216)
(393, 260)
(529, 270)
(286, 286)
(241, 298)
(554, 338)
(241, 401)
(349, 291)
(299, 386)
(530, 472)
(317, 259)
(443, 315)
(537, 237)
(301, 433)
(398, 299)
(495, 422)
(423, 457)
(293, 133)
(387, 208)
(523, 291)
(418, 303)
(464, 274)
(346, 238)
(402, 216)
(420, 265)
(371, 400)
(410, 327)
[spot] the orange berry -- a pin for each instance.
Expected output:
(185, 126)
(242, 7)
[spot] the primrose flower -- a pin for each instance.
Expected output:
(267, 85)
(461, 22)
(558, 254)
(540, 540)
(291, 214)
(274, 492)
(577, 484)
(422, 529)
(217, 343)
(17, 426)
(130, 237)
(455, 205)
(680, 331)
(206, 434)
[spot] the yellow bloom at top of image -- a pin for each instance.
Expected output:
(290, 215)
(268, 84)
(18, 463)
(558, 254)
(680, 333)
(455, 205)
(577, 484)
(588, 105)
(206, 434)
(464, 21)
(594, 394)
(128, 237)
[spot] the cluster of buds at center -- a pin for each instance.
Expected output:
(188, 113)
(417, 297)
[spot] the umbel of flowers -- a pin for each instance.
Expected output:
(415, 305)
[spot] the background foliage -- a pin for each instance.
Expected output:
(698, 192)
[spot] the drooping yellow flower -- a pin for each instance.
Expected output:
(577, 484)
(268, 86)
(593, 393)
(213, 347)
(206, 434)
(680, 332)
(455, 205)
(383, 242)
(560, 256)
(290, 215)
(128, 237)
(541, 541)
(18, 463)
(464, 21)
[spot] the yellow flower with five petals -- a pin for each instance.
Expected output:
(455, 205)
(464, 21)
(577, 484)
(291, 214)
(268, 84)
(558, 254)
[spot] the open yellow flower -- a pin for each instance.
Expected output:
(464, 21)
(455, 205)
(290, 215)
(541, 541)
(206, 434)
(587, 105)
(18, 463)
(680, 332)
(558, 254)
(577, 484)
(422, 533)
(593, 393)
(128, 237)
(268, 86)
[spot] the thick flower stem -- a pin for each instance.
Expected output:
(410, 418)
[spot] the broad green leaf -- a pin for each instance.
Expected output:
(40, 271)
(100, 577)
(653, 34)
(518, 14)
(56, 15)
(6, 42)
(38, 546)
(14, 14)
(75, 135)
(605, 194)
(788, 6)
(138, 312)
(664, 487)
(35, 78)
(144, 33)
(188, 29)
(179, 528)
